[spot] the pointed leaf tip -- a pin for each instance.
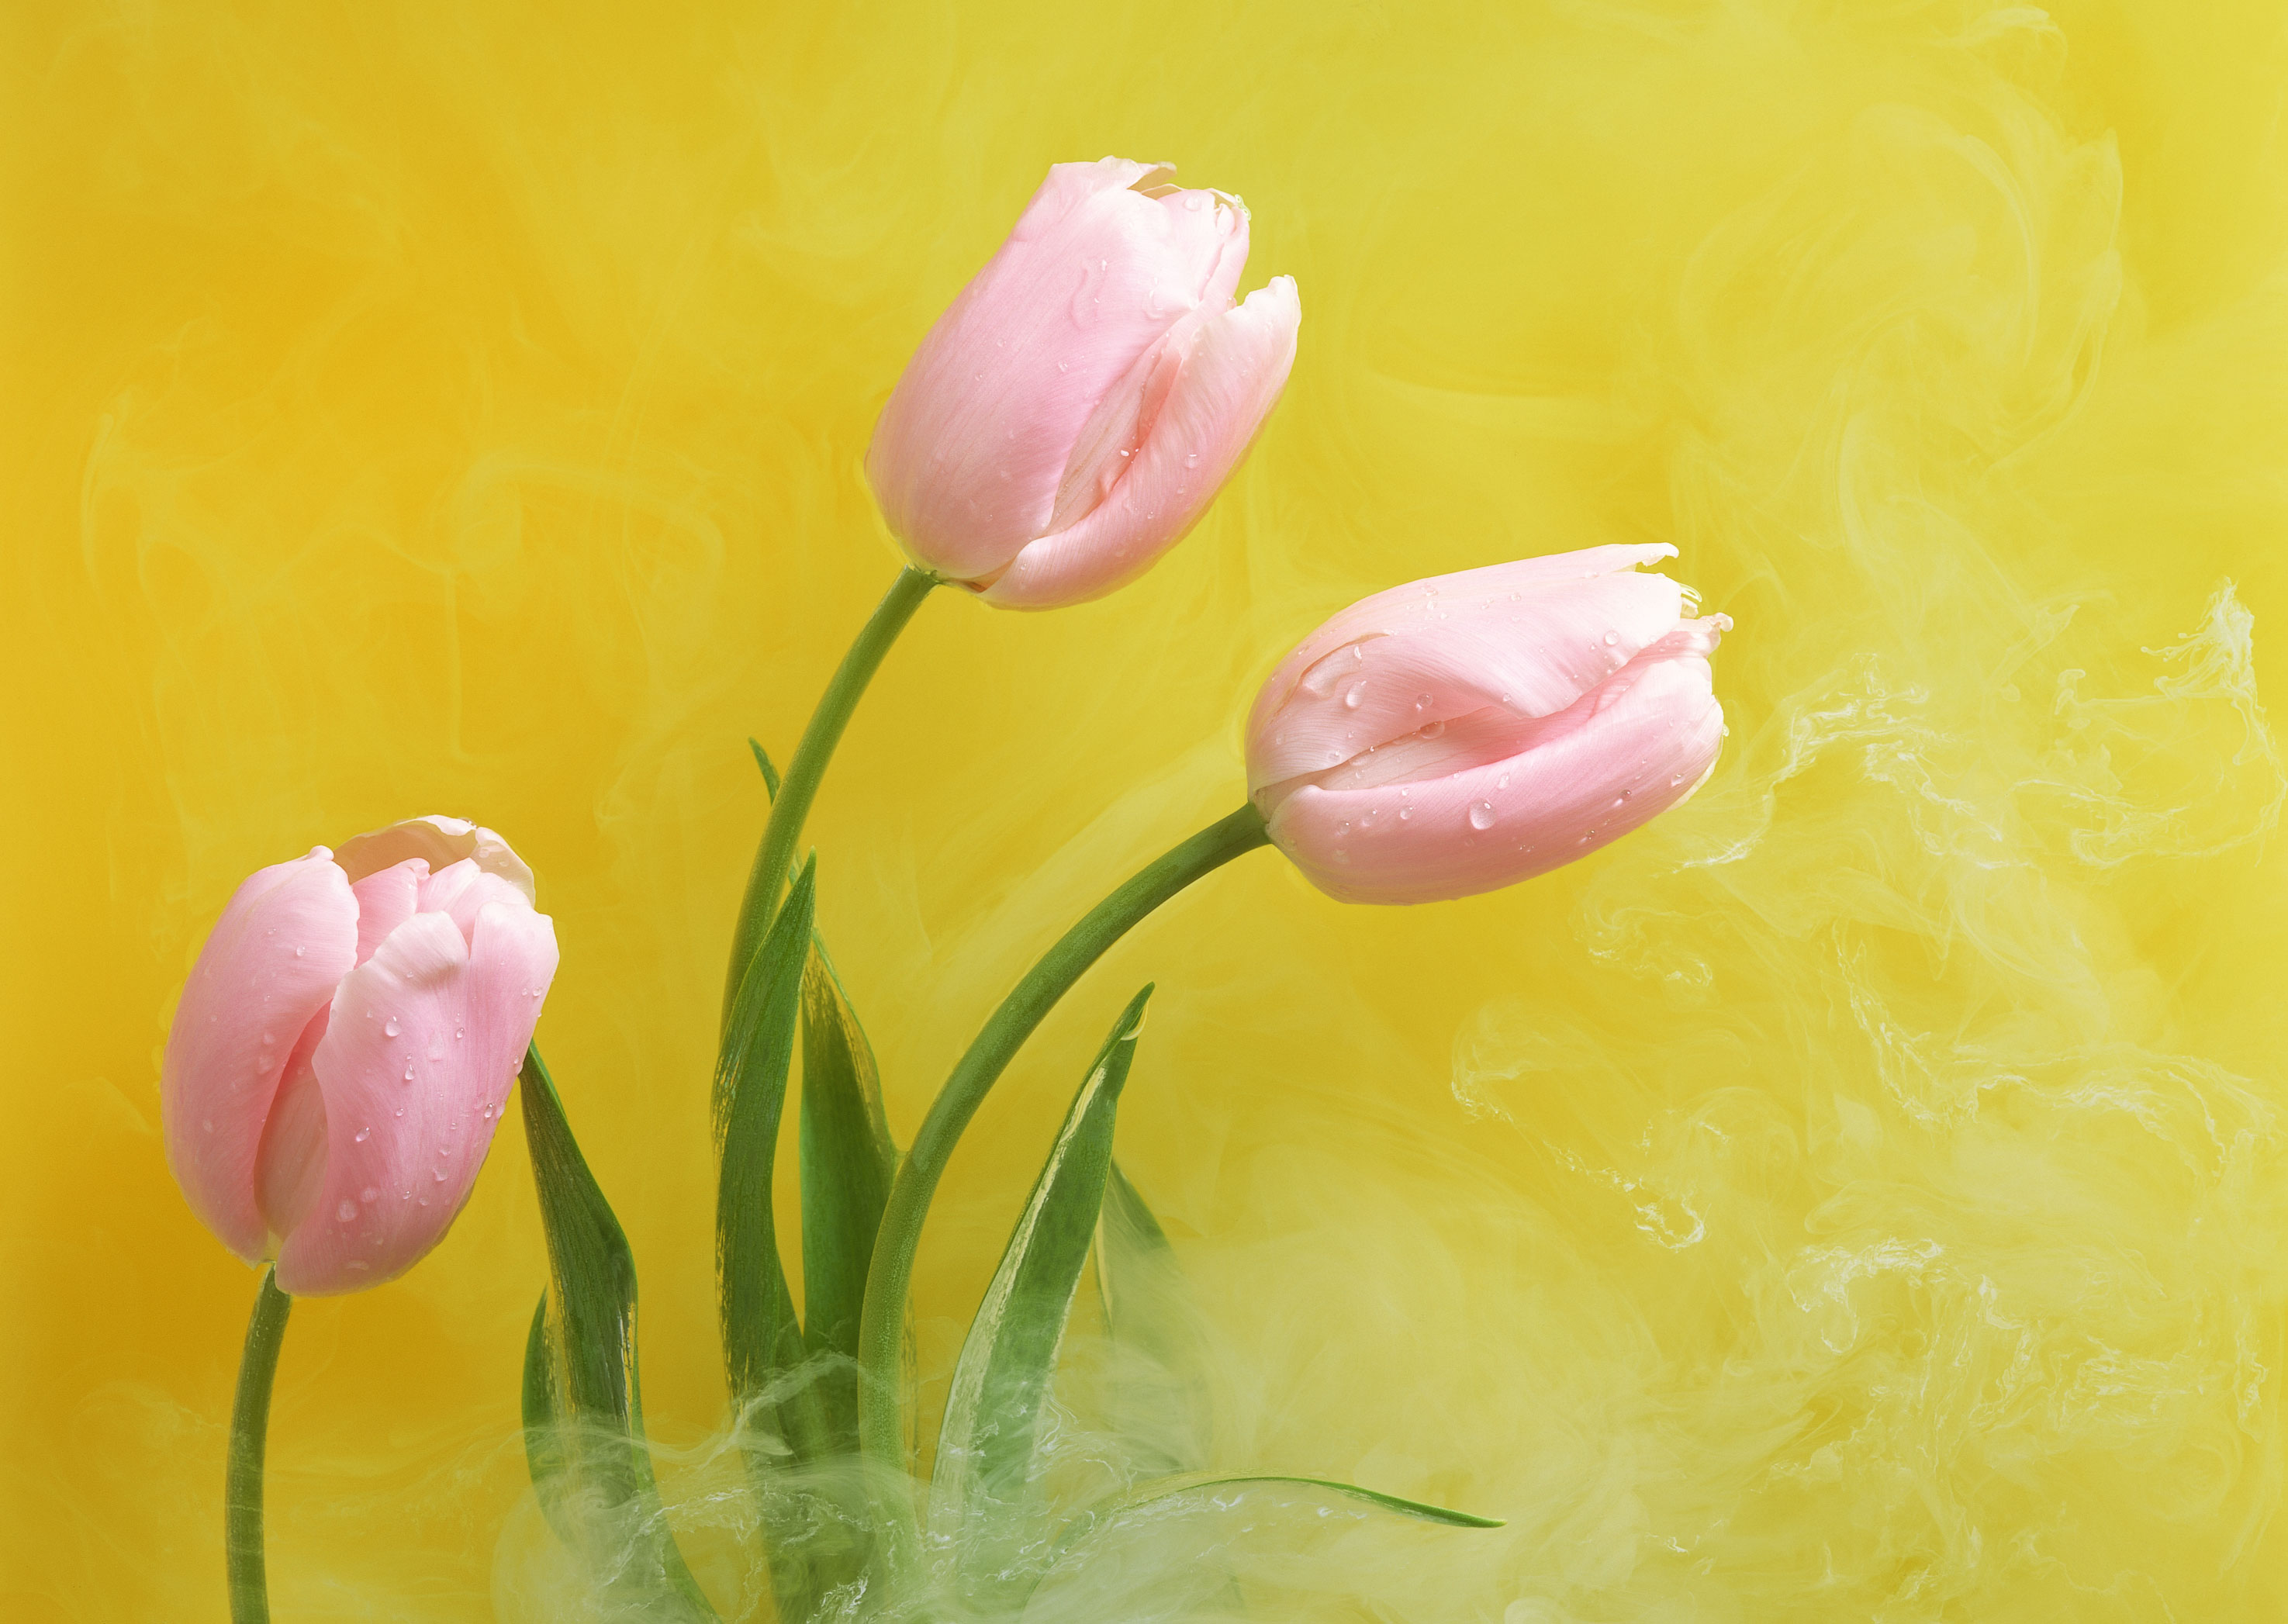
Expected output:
(770, 772)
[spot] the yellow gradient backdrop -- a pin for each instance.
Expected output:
(1863, 1195)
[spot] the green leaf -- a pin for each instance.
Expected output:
(986, 1446)
(1159, 1392)
(847, 1163)
(762, 1339)
(583, 1397)
(545, 1456)
(770, 772)
(1192, 1483)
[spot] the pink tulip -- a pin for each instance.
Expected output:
(1473, 730)
(346, 1044)
(1075, 409)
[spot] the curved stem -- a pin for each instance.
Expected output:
(882, 1322)
(791, 805)
(250, 1427)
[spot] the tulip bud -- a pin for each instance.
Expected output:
(1473, 730)
(1074, 410)
(344, 1045)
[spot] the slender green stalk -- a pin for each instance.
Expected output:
(250, 1427)
(881, 1323)
(791, 803)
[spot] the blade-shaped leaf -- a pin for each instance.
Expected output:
(986, 1443)
(762, 1339)
(1106, 1514)
(583, 1397)
(770, 772)
(1159, 1398)
(545, 1456)
(1194, 1483)
(847, 1163)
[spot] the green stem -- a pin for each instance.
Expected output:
(791, 805)
(250, 1427)
(882, 1322)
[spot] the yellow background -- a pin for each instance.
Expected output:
(1859, 1196)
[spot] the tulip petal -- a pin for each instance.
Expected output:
(1228, 386)
(974, 442)
(1644, 742)
(386, 898)
(291, 1167)
(287, 934)
(1531, 650)
(462, 891)
(1418, 602)
(420, 1050)
(441, 842)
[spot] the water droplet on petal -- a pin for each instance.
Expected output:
(1481, 815)
(1612, 637)
(363, 1135)
(389, 1027)
(347, 1211)
(1351, 698)
(1432, 730)
(1404, 812)
(1501, 782)
(369, 1195)
(408, 1073)
(437, 1173)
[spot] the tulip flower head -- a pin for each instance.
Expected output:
(344, 1045)
(1470, 731)
(1075, 409)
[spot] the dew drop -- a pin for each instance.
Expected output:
(437, 1174)
(400, 1111)
(1367, 817)
(298, 953)
(1675, 779)
(1421, 701)
(408, 1073)
(389, 1027)
(1404, 812)
(1192, 459)
(1342, 828)
(347, 1211)
(363, 1135)
(369, 1195)
(1612, 637)
(1481, 815)
(1351, 698)
(1432, 730)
